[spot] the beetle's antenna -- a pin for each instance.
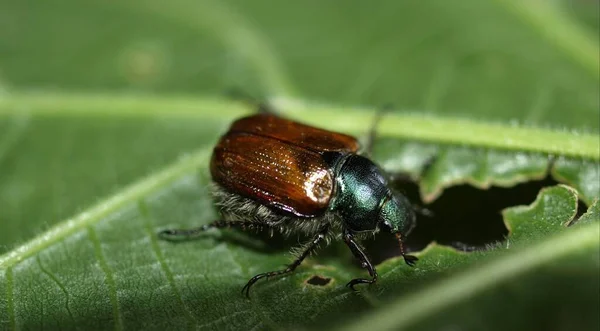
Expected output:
(408, 259)
(423, 211)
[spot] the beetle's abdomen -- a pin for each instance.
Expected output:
(280, 175)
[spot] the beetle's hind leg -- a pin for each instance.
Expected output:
(362, 257)
(309, 248)
(263, 107)
(175, 234)
(368, 150)
(401, 179)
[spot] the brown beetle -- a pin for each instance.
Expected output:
(276, 173)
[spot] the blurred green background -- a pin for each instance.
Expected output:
(526, 62)
(529, 62)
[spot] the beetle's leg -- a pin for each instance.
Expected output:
(364, 260)
(368, 150)
(171, 234)
(408, 259)
(309, 248)
(265, 108)
(401, 178)
(423, 211)
(240, 95)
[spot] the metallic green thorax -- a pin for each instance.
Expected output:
(363, 199)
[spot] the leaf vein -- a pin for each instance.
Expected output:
(59, 284)
(109, 277)
(13, 135)
(224, 318)
(143, 209)
(10, 304)
(261, 315)
(235, 32)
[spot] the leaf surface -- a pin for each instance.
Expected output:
(109, 111)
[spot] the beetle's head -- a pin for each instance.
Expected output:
(396, 214)
(365, 202)
(398, 217)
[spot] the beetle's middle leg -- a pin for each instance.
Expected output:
(309, 248)
(368, 149)
(263, 107)
(364, 260)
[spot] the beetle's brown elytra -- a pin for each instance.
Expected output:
(273, 173)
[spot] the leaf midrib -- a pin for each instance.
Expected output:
(409, 126)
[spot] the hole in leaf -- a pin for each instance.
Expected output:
(465, 217)
(317, 280)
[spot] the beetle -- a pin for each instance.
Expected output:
(272, 172)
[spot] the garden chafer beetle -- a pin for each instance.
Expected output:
(273, 172)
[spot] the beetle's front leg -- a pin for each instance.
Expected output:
(362, 257)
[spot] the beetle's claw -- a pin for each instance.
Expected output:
(356, 281)
(246, 290)
(411, 260)
(251, 282)
(169, 235)
(167, 232)
(351, 284)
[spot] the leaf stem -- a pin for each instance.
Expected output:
(407, 126)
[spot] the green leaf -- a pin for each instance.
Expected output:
(526, 62)
(592, 215)
(512, 279)
(109, 111)
(582, 174)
